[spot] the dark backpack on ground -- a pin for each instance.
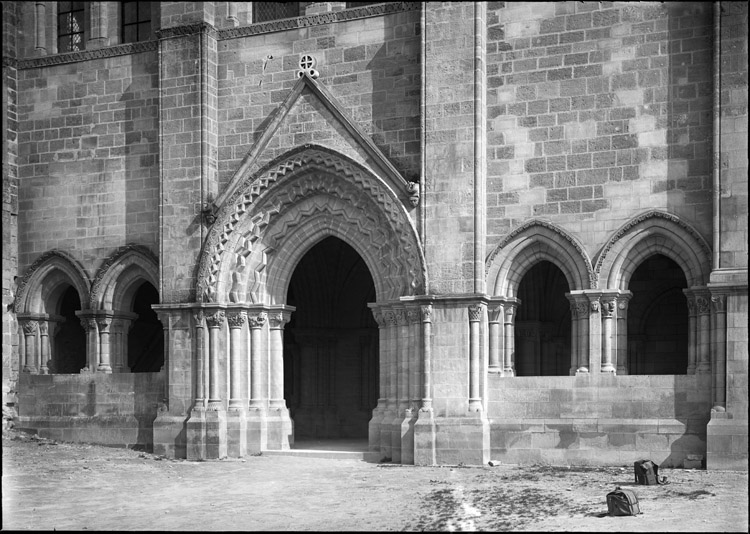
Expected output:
(622, 502)
(647, 473)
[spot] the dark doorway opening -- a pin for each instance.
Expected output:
(70, 340)
(331, 344)
(146, 337)
(658, 319)
(542, 330)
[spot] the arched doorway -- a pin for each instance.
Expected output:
(331, 344)
(69, 355)
(146, 337)
(542, 332)
(658, 319)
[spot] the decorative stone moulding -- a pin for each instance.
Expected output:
(85, 55)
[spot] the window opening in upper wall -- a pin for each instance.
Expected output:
(265, 11)
(136, 21)
(70, 17)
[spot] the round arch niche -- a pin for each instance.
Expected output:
(146, 336)
(331, 344)
(542, 328)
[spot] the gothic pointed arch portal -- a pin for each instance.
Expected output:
(262, 233)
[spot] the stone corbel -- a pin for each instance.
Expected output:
(413, 190)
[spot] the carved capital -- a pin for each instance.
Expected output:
(400, 316)
(378, 316)
(257, 320)
(104, 324)
(595, 306)
(277, 320)
(582, 310)
(215, 319)
(495, 313)
(426, 312)
(720, 303)
(236, 319)
(390, 318)
(29, 327)
(43, 328)
(198, 318)
(622, 308)
(412, 315)
(703, 305)
(608, 307)
(88, 324)
(475, 312)
(510, 311)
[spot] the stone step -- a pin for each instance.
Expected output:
(333, 449)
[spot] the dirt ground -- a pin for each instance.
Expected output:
(48, 485)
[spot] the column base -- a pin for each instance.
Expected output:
(216, 435)
(236, 434)
(257, 430)
(424, 438)
(726, 442)
(280, 430)
(386, 442)
(407, 437)
(170, 435)
(195, 429)
(462, 440)
(373, 431)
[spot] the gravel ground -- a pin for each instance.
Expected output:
(49, 485)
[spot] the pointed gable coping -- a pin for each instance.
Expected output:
(337, 110)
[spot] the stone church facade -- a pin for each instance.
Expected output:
(462, 231)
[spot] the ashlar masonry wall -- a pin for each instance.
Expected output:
(598, 111)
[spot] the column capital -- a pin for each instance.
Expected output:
(719, 301)
(236, 319)
(377, 314)
(257, 320)
(400, 314)
(475, 312)
(413, 314)
(702, 303)
(425, 311)
(609, 305)
(215, 318)
(277, 319)
(104, 323)
(29, 326)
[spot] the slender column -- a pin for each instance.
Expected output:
(402, 360)
(495, 318)
(621, 350)
(475, 315)
(104, 363)
(392, 321)
(692, 331)
(719, 367)
(40, 34)
(508, 365)
(426, 312)
(256, 394)
(236, 321)
(609, 307)
(29, 331)
(115, 344)
(382, 365)
(415, 391)
(92, 343)
(43, 347)
(583, 312)
(200, 399)
(276, 322)
(215, 321)
(704, 334)
(573, 338)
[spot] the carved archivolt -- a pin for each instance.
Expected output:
(29, 294)
(531, 242)
(243, 220)
(654, 232)
(103, 287)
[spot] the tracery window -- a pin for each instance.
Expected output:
(136, 21)
(70, 17)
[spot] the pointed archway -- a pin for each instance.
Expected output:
(331, 344)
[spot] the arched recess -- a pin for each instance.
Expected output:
(635, 244)
(123, 290)
(654, 232)
(257, 229)
(531, 243)
(53, 289)
(520, 253)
